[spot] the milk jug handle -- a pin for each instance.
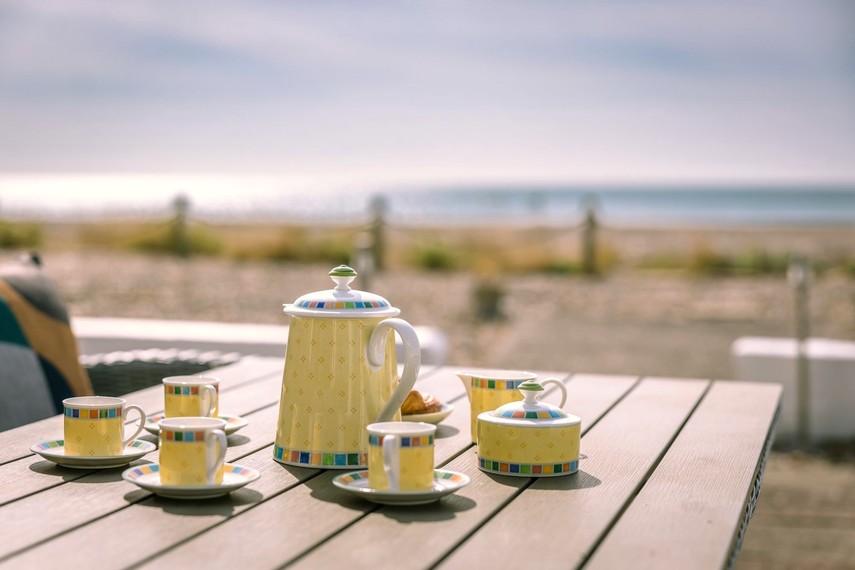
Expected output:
(412, 361)
(561, 388)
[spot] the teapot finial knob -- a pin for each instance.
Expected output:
(343, 275)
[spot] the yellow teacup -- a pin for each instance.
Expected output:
(94, 425)
(192, 451)
(400, 456)
(191, 396)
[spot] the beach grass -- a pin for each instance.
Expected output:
(20, 235)
(705, 252)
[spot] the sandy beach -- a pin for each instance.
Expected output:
(630, 320)
(672, 325)
(633, 320)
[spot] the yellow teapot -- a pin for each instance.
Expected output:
(341, 374)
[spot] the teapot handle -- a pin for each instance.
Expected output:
(412, 361)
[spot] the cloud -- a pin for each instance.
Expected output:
(563, 89)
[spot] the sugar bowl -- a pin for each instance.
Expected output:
(529, 438)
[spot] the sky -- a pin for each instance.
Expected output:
(424, 92)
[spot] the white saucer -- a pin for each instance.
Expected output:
(148, 477)
(444, 483)
(431, 418)
(233, 423)
(54, 450)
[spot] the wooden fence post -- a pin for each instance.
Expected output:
(181, 240)
(362, 259)
(798, 275)
(589, 236)
(379, 207)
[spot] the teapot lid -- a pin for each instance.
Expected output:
(530, 411)
(341, 301)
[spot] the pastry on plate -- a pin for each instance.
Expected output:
(420, 403)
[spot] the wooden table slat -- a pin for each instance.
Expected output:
(573, 513)
(286, 525)
(669, 469)
(15, 443)
(31, 474)
(155, 523)
(691, 508)
(100, 493)
(427, 533)
(107, 532)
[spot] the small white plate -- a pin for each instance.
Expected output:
(148, 477)
(54, 450)
(431, 418)
(444, 483)
(233, 423)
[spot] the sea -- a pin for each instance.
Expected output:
(242, 199)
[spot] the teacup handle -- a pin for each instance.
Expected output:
(208, 400)
(215, 457)
(140, 427)
(391, 461)
(412, 361)
(560, 387)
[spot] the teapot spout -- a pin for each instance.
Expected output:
(466, 378)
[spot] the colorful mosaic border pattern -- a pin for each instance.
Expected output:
(437, 475)
(496, 384)
(540, 415)
(342, 304)
(239, 470)
(418, 441)
(61, 443)
(351, 477)
(100, 413)
(186, 436)
(528, 468)
(228, 419)
(181, 390)
(155, 468)
(143, 470)
(320, 459)
(450, 476)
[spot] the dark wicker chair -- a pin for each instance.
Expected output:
(118, 373)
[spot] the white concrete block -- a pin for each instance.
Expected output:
(831, 382)
(96, 335)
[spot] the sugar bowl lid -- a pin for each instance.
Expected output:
(530, 411)
(341, 301)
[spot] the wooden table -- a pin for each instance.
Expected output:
(669, 478)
